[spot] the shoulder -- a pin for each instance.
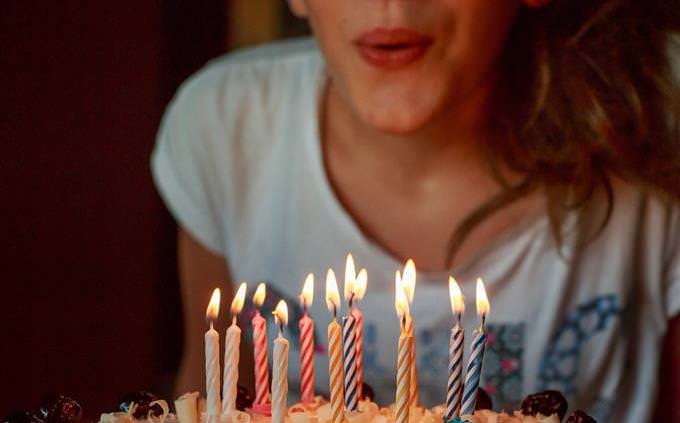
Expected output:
(238, 104)
(250, 78)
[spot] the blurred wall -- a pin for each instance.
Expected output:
(89, 299)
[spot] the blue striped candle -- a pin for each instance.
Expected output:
(455, 386)
(349, 351)
(473, 372)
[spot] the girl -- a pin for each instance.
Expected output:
(530, 142)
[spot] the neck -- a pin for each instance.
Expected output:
(449, 140)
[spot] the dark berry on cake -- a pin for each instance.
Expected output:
(244, 399)
(367, 392)
(60, 409)
(546, 403)
(580, 416)
(483, 400)
(142, 401)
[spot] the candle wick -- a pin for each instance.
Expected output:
(233, 319)
(280, 328)
(481, 327)
(351, 300)
(211, 324)
(335, 312)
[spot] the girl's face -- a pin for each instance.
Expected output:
(399, 64)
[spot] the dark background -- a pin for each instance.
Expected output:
(89, 305)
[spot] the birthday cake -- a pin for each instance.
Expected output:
(351, 399)
(144, 407)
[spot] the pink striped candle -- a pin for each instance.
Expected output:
(262, 398)
(307, 342)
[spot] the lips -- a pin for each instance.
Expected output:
(392, 48)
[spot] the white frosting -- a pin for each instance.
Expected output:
(319, 411)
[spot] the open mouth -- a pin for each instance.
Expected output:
(392, 48)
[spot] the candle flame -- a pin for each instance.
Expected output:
(213, 306)
(409, 279)
(350, 276)
(456, 296)
(260, 294)
(239, 299)
(307, 295)
(332, 294)
(400, 300)
(360, 284)
(482, 300)
(281, 313)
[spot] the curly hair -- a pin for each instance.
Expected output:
(587, 93)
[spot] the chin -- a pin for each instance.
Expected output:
(397, 122)
(402, 109)
(396, 118)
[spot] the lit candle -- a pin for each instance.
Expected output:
(409, 284)
(307, 342)
(280, 366)
(401, 406)
(474, 366)
(455, 386)
(232, 342)
(334, 349)
(262, 400)
(349, 346)
(360, 290)
(212, 360)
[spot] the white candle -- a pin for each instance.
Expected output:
(280, 367)
(212, 360)
(232, 344)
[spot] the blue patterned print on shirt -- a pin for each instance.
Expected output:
(502, 372)
(560, 362)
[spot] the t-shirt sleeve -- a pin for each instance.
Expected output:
(185, 170)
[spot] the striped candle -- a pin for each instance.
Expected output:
(349, 353)
(307, 358)
(455, 387)
(280, 380)
(212, 361)
(261, 360)
(474, 367)
(335, 371)
(473, 372)
(413, 384)
(402, 402)
(402, 407)
(280, 367)
(306, 325)
(334, 350)
(232, 343)
(359, 318)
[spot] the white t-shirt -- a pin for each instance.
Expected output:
(239, 164)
